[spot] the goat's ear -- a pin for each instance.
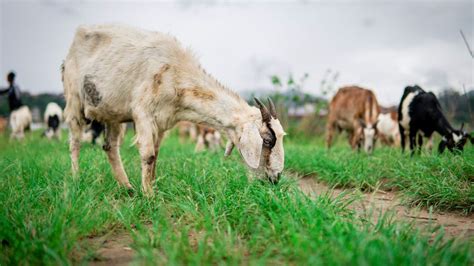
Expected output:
(250, 145)
(228, 148)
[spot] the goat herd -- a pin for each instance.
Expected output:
(117, 74)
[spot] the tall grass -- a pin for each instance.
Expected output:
(204, 211)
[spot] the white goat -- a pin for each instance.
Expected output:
(53, 115)
(114, 74)
(387, 127)
(20, 120)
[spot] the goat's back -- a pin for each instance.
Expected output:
(351, 103)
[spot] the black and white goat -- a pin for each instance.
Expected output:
(53, 115)
(420, 114)
(92, 132)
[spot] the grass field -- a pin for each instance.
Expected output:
(445, 181)
(206, 211)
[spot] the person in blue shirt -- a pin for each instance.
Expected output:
(13, 91)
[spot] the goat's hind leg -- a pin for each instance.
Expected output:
(412, 142)
(420, 143)
(75, 132)
(113, 135)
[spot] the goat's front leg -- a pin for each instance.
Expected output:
(148, 148)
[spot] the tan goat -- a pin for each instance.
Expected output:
(115, 74)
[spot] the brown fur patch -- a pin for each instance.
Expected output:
(197, 93)
(394, 115)
(92, 95)
(158, 77)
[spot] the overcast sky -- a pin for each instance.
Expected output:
(382, 45)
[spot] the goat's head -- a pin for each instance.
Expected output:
(261, 143)
(455, 141)
(369, 135)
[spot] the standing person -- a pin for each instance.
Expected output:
(14, 94)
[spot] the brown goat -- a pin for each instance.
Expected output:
(355, 110)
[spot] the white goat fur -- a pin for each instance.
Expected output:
(115, 74)
(389, 128)
(20, 120)
(53, 109)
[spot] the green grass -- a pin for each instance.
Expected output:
(46, 216)
(445, 181)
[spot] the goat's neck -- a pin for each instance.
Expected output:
(444, 128)
(206, 101)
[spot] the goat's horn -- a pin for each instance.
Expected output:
(462, 126)
(228, 148)
(265, 113)
(272, 108)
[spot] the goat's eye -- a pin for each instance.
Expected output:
(267, 142)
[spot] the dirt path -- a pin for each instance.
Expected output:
(379, 202)
(112, 249)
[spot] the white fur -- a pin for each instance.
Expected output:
(456, 138)
(405, 122)
(20, 119)
(369, 138)
(388, 127)
(148, 78)
(53, 109)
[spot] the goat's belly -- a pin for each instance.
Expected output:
(344, 125)
(107, 113)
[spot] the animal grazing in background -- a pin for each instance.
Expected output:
(92, 131)
(355, 110)
(187, 130)
(20, 121)
(420, 114)
(53, 115)
(115, 74)
(387, 127)
(3, 124)
(208, 138)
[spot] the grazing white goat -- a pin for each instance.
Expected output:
(387, 127)
(114, 74)
(53, 115)
(20, 120)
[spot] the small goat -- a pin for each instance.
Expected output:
(387, 127)
(115, 74)
(53, 115)
(20, 121)
(420, 114)
(92, 132)
(207, 138)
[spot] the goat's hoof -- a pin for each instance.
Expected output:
(131, 192)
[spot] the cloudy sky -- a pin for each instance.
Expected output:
(382, 45)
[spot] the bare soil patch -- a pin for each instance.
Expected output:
(377, 203)
(113, 249)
